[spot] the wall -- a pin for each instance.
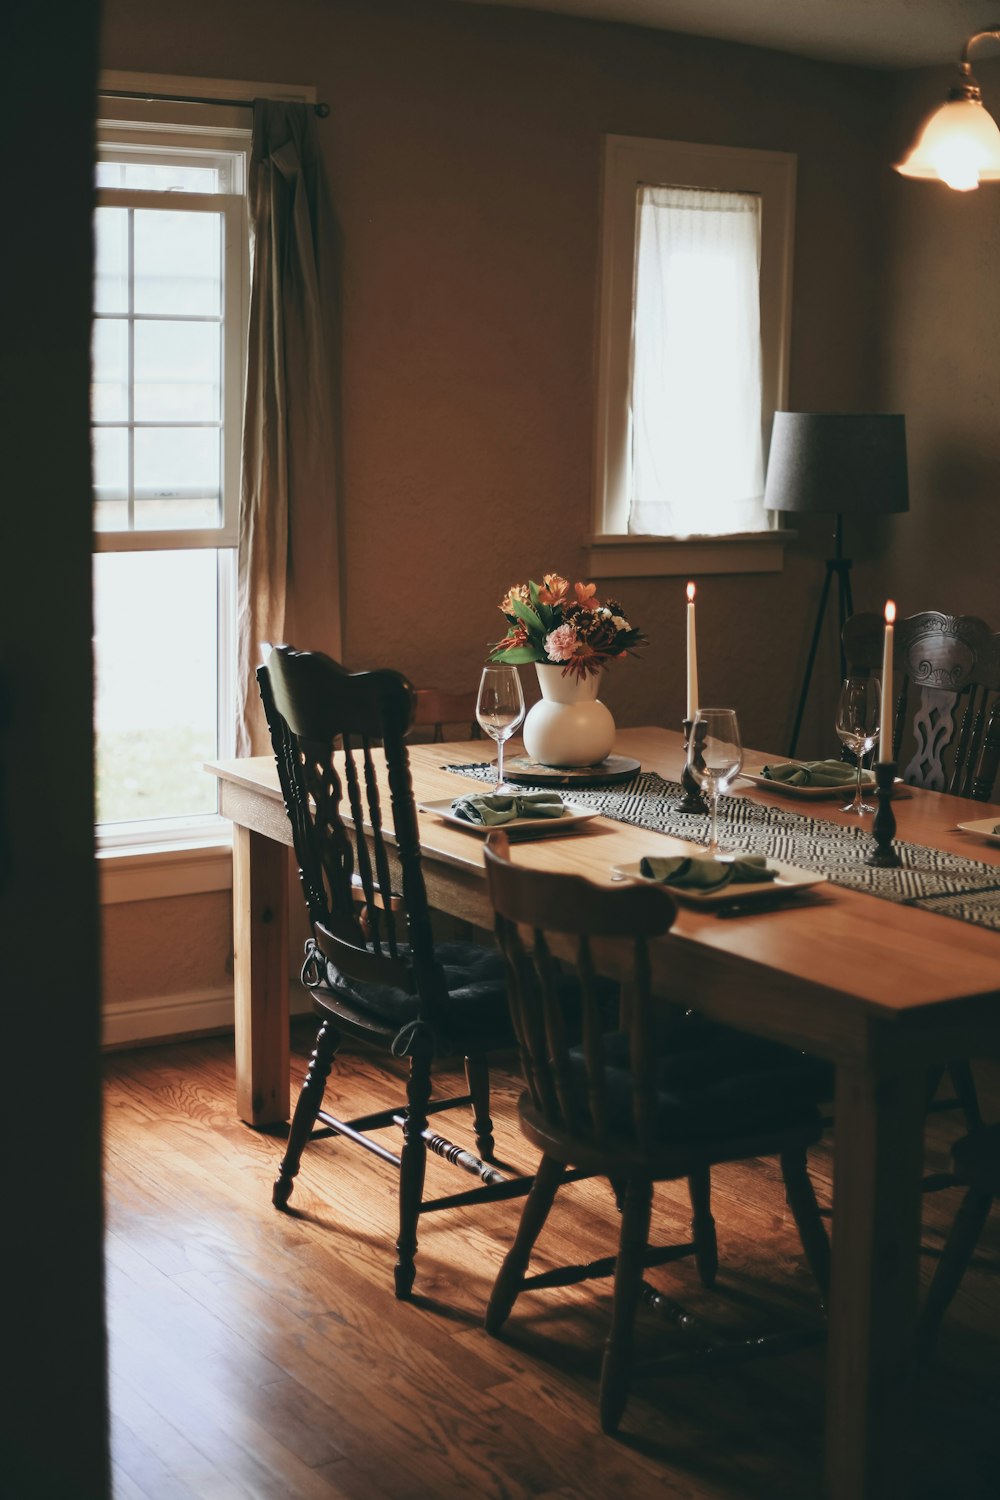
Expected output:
(168, 966)
(463, 151)
(940, 316)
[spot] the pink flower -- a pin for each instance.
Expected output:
(561, 643)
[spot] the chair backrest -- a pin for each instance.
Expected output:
(572, 1091)
(325, 723)
(435, 709)
(953, 665)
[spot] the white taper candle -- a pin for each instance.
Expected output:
(885, 721)
(692, 657)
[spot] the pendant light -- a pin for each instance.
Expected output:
(960, 142)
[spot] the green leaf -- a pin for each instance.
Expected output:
(533, 592)
(515, 655)
(526, 614)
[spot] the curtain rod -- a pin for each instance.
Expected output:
(322, 110)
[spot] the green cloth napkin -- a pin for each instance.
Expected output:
(499, 807)
(817, 773)
(699, 872)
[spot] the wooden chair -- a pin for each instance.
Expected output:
(952, 664)
(435, 709)
(395, 990)
(975, 1166)
(634, 1106)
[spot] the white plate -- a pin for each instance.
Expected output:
(787, 878)
(575, 814)
(811, 793)
(984, 828)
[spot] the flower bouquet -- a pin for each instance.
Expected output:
(551, 623)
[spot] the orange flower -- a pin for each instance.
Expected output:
(554, 590)
(518, 636)
(518, 591)
(586, 595)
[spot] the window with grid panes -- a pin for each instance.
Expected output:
(170, 315)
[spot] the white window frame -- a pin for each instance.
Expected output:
(135, 864)
(630, 162)
(136, 141)
(169, 850)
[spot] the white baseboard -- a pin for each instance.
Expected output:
(160, 1017)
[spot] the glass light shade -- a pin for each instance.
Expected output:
(960, 145)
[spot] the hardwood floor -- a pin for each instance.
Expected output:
(256, 1354)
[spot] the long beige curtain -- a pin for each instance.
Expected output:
(289, 568)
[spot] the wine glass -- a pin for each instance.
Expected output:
(500, 709)
(715, 755)
(858, 710)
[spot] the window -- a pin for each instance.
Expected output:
(695, 299)
(167, 380)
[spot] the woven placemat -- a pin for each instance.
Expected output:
(931, 879)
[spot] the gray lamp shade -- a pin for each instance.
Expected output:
(833, 462)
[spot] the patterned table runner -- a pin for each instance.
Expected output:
(929, 878)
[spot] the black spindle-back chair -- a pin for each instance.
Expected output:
(372, 965)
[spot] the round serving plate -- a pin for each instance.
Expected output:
(524, 770)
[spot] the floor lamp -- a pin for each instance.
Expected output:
(833, 463)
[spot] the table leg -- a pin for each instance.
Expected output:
(878, 1160)
(260, 922)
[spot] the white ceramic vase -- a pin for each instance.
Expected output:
(570, 726)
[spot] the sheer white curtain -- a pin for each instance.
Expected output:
(697, 452)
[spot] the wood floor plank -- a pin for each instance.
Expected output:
(258, 1354)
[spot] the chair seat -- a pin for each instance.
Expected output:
(473, 1014)
(716, 1085)
(773, 1063)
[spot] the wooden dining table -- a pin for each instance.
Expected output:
(880, 989)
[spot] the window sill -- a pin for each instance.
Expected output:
(669, 557)
(151, 873)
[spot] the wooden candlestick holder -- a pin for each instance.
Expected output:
(692, 801)
(883, 856)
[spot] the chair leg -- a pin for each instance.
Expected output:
(706, 1249)
(629, 1267)
(962, 1081)
(801, 1199)
(306, 1109)
(510, 1278)
(477, 1077)
(412, 1166)
(934, 1077)
(957, 1253)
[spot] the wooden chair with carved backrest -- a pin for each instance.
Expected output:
(976, 1167)
(637, 1106)
(946, 726)
(394, 989)
(948, 739)
(436, 709)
